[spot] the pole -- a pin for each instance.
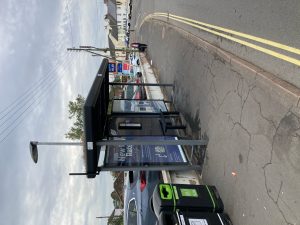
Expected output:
(151, 142)
(142, 84)
(90, 48)
(101, 217)
(60, 143)
(97, 54)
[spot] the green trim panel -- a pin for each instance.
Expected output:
(165, 191)
(189, 192)
(211, 197)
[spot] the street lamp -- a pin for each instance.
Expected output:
(34, 149)
(110, 26)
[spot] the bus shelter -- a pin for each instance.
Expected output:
(130, 134)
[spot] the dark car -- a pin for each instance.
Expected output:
(138, 191)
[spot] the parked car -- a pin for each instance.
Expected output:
(142, 47)
(138, 190)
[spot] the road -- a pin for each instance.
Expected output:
(273, 21)
(252, 120)
(276, 20)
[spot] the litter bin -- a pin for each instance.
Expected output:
(193, 218)
(185, 197)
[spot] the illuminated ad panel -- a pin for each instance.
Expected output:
(142, 155)
(139, 106)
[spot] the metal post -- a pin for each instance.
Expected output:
(90, 48)
(60, 143)
(141, 84)
(151, 142)
(182, 167)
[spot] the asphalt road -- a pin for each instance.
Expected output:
(253, 130)
(272, 20)
(277, 20)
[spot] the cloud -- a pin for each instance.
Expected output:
(37, 35)
(16, 17)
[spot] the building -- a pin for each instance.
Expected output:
(117, 21)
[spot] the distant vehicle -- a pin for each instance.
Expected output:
(127, 41)
(142, 47)
(134, 60)
(139, 187)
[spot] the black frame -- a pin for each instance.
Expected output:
(95, 116)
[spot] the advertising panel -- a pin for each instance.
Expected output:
(139, 106)
(126, 68)
(141, 155)
(120, 67)
(112, 67)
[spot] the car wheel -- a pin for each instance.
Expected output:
(151, 204)
(142, 49)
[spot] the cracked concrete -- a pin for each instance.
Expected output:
(251, 118)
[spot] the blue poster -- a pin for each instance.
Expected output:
(120, 67)
(112, 67)
(140, 155)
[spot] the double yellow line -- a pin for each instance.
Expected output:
(223, 32)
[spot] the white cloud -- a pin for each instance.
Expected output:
(15, 16)
(44, 193)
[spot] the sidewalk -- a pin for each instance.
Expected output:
(149, 77)
(179, 177)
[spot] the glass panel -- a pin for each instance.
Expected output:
(138, 106)
(141, 155)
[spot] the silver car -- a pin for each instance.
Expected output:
(138, 189)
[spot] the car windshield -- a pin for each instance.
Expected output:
(132, 213)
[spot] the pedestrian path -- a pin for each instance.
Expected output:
(149, 77)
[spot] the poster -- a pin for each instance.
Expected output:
(141, 155)
(126, 68)
(112, 67)
(120, 67)
(139, 106)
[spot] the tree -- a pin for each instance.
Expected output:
(115, 220)
(76, 114)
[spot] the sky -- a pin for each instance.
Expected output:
(38, 78)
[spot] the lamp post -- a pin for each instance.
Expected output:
(107, 26)
(106, 217)
(34, 149)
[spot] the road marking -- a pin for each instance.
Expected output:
(242, 42)
(247, 36)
